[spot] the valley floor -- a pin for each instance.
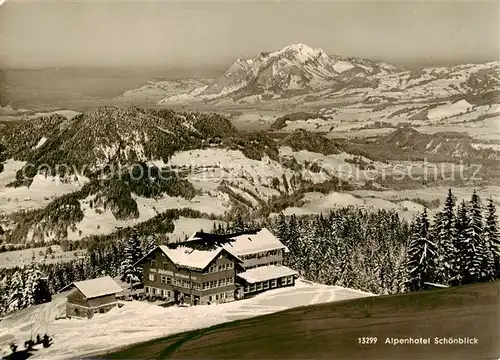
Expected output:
(141, 321)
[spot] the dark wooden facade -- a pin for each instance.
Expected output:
(80, 306)
(213, 284)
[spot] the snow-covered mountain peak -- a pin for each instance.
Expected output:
(293, 70)
(300, 51)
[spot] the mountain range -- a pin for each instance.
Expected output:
(293, 70)
(298, 74)
(216, 170)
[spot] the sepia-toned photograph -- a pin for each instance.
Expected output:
(249, 179)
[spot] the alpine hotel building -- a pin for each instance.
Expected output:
(209, 268)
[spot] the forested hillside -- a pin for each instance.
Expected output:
(376, 252)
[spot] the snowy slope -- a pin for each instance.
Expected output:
(141, 321)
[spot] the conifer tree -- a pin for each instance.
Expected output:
(421, 254)
(132, 273)
(239, 224)
(149, 243)
(479, 262)
(492, 237)
(282, 229)
(293, 242)
(4, 293)
(17, 294)
(33, 284)
(462, 244)
(444, 235)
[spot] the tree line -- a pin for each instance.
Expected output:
(460, 246)
(36, 282)
(374, 251)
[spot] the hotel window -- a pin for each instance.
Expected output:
(147, 289)
(205, 286)
(163, 280)
(169, 280)
(266, 284)
(213, 284)
(290, 280)
(283, 281)
(210, 298)
(273, 283)
(154, 291)
(220, 268)
(220, 282)
(216, 297)
(152, 277)
(229, 281)
(252, 287)
(153, 263)
(168, 293)
(246, 289)
(230, 265)
(161, 292)
(259, 286)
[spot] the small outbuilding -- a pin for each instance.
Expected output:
(89, 297)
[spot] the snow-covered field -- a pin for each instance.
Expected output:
(215, 165)
(317, 203)
(141, 321)
(11, 259)
(397, 200)
(429, 194)
(104, 222)
(41, 191)
(185, 227)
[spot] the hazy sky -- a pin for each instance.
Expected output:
(169, 33)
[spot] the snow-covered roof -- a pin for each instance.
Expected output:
(201, 248)
(265, 273)
(247, 243)
(98, 287)
(188, 257)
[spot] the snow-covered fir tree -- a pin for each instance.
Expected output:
(132, 273)
(4, 293)
(443, 231)
(492, 236)
(17, 292)
(421, 254)
(292, 241)
(149, 243)
(480, 261)
(282, 228)
(462, 244)
(33, 284)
